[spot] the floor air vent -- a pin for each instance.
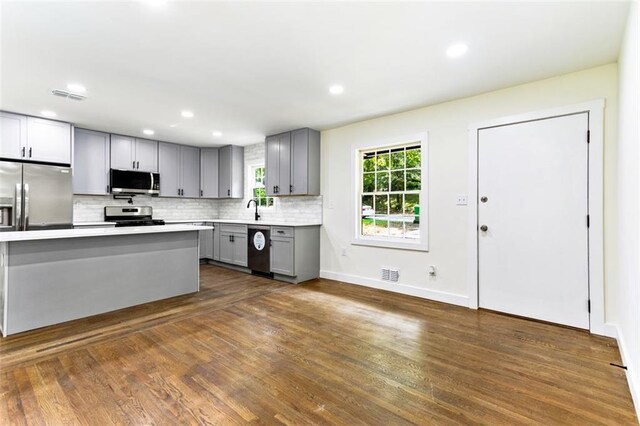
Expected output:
(388, 274)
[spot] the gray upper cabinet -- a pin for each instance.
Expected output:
(278, 164)
(179, 168)
(48, 141)
(13, 135)
(90, 162)
(35, 139)
(169, 166)
(293, 163)
(129, 153)
(209, 172)
(190, 171)
(231, 172)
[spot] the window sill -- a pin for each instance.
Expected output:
(398, 245)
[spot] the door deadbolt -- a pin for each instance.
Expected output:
(484, 199)
(484, 228)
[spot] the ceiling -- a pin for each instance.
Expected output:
(253, 69)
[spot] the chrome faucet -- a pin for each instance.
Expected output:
(257, 216)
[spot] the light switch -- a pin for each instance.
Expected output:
(461, 200)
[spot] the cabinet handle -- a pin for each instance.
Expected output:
(280, 232)
(228, 192)
(23, 151)
(290, 189)
(133, 166)
(107, 189)
(138, 165)
(30, 149)
(201, 192)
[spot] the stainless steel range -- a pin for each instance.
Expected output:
(131, 216)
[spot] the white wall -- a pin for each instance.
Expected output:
(447, 126)
(626, 299)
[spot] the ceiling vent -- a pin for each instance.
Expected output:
(68, 95)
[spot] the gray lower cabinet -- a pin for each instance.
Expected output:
(129, 153)
(206, 244)
(209, 169)
(232, 244)
(231, 172)
(179, 168)
(293, 163)
(282, 255)
(90, 162)
(295, 253)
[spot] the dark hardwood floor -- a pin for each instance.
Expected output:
(251, 350)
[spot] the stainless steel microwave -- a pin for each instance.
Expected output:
(133, 182)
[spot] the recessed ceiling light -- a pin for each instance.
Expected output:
(173, 125)
(336, 89)
(217, 133)
(47, 113)
(77, 88)
(148, 132)
(187, 114)
(457, 50)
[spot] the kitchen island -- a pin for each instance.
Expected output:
(49, 277)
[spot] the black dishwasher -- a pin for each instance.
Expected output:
(259, 249)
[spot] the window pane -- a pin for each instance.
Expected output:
(368, 182)
(413, 157)
(413, 180)
(410, 202)
(383, 181)
(396, 227)
(397, 181)
(258, 192)
(397, 158)
(367, 205)
(381, 226)
(368, 162)
(412, 230)
(382, 204)
(395, 204)
(382, 159)
(368, 227)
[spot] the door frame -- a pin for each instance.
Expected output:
(595, 110)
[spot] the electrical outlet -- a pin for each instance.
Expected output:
(343, 251)
(461, 200)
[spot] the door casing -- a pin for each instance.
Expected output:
(595, 110)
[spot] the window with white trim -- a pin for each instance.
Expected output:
(258, 191)
(392, 195)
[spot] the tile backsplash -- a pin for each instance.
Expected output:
(299, 209)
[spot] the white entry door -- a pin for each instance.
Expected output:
(532, 201)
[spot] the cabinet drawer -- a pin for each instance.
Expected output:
(282, 231)
(233, 228)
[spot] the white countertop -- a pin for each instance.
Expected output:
(96, 232)
(94, 224)
(266, 222)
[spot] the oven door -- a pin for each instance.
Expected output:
(132, 182)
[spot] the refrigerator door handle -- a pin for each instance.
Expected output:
(26, 206)
(17, 222)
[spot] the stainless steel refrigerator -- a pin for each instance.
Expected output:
(35, 197)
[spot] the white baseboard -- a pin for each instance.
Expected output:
(439, 296)
(627, 360)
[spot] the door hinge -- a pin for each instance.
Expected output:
(588, 136)
(588, 221)
(589, 305)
